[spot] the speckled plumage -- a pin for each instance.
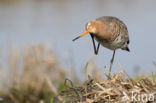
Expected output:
(118, 31)
(110, 32)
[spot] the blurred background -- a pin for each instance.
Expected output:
(33, 31)
(56, 22)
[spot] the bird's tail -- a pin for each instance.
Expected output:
(126, 48)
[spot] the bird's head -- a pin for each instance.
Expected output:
(90, 28)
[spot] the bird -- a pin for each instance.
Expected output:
(110, 32)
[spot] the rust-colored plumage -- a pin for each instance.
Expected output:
(110, 32)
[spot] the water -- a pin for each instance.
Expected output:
(57, 22)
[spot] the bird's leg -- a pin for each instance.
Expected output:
(111, 62)
(95, 49)
(92, 36)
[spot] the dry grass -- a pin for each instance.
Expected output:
(35, 75)
(31, 75)
(113, 90)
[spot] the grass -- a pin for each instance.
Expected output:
(114, 90)
(34, 74)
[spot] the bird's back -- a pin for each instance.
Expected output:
(118, 32)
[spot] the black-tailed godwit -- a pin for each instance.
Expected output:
(110, 32)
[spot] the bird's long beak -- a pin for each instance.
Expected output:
(86, 32)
